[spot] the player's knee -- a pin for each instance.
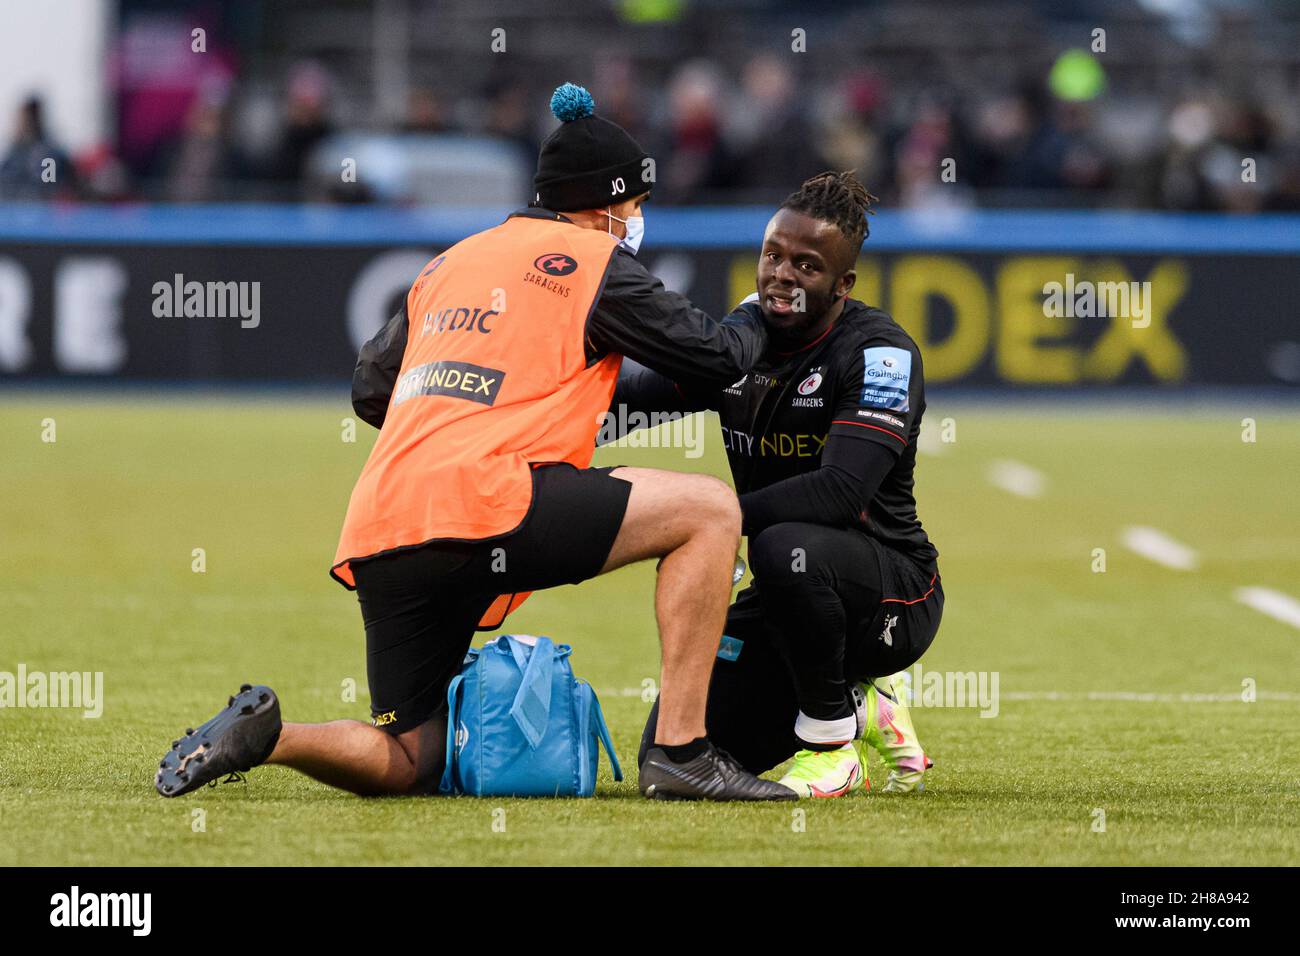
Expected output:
(779, 555)
(714, 506)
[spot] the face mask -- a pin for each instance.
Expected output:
(635, 231)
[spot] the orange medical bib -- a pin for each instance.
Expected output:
(494, 380)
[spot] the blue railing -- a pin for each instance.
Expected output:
(694, 228)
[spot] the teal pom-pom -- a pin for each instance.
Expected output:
(570, 102)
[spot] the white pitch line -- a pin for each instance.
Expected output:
(1279, 606)
(1146, 697)
(1098, 696)
(1017, 478)
(1159, 547)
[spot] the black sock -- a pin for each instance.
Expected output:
(684, 753)
(806, 745)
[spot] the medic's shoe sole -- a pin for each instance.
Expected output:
(234, 741)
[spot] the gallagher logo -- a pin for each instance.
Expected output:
(555, 264)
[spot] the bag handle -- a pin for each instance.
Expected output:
(447, 784)
(602, 732)
(532, 705)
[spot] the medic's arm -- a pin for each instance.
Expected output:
(376, 372)
(643, 395)
(637, 317)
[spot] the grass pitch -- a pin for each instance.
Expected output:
(1121, 736)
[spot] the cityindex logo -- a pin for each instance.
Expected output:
(1000, 318)
(451, 379)
(773, 445)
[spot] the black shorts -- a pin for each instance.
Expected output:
(422, 605)
(752, 705)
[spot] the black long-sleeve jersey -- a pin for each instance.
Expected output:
(633, 315)
(826, 434)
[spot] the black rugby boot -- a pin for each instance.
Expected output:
(234, 741)
(713, 775)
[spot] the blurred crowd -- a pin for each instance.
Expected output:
(721, 132)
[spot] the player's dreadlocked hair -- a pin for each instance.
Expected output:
(837, 198)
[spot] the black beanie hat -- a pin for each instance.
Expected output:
(588, 162)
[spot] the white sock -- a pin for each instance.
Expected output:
(814, 731)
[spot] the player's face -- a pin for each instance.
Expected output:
(804, 269)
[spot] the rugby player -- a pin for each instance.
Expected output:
(821, 438)
(487, 388)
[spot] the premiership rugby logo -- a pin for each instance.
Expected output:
(886, 377)
(555, 264)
